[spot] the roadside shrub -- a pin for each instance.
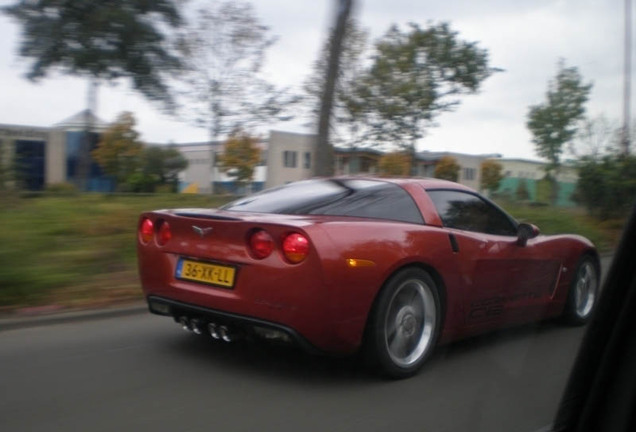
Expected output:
(447, 168)
(63, 188)
(607, 187)
(522, 193)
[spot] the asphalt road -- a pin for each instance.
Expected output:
(143, 373)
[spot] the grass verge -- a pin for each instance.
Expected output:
(75, 251)
(605, 235)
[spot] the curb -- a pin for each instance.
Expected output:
(74, 316)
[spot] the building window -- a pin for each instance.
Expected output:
(307, 163)
(365, 165)
(289, 159)
(96, 180)
(30, 161)
(469, 173)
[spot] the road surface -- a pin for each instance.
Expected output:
(143, 373)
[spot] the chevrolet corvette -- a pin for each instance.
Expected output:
(386, 267)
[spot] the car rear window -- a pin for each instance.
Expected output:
(354, 198)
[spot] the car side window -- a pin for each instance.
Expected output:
(469, 212)
(376, 201)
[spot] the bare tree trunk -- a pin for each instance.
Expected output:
(324, 150)
(215, 133)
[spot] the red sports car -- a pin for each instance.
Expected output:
(394, 266)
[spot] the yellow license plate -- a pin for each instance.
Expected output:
(213, 274)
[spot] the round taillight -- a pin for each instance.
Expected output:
(146, 230)
(261, 244)
(165, 234)
(295, 248)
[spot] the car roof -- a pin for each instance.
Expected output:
(425, 182)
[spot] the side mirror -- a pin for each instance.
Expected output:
(525, 232)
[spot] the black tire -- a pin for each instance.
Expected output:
(584, 292)
(404, 324)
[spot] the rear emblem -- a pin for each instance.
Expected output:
(202, 232)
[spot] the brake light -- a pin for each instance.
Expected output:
(261, 244)
(295, 248)
(165, 234)
(146, 230)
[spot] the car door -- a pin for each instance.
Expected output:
(501, 281)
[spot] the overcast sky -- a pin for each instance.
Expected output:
(525, 38)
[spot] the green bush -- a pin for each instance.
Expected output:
(607, 187)
(522, 193)
(62, 188)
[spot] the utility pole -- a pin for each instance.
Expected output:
(83, 172)
(625, 141)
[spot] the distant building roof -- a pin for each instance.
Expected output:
(529, 161)
(80, 120)
(432, 156)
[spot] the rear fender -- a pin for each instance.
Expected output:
(356, 267)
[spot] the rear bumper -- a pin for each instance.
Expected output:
(247, 325)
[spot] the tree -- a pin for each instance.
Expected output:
(104, 40)
(222, 84)
(161, 167)
(119, 149)
(395, 164)
(240, 157)
(447, 168)
(324, 149)
(607, 186)
(491, 175)
(348, 108)
(595, 137)
(554, 123)
(415, 76)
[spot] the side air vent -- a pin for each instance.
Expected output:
(453, 242)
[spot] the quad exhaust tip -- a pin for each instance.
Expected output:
(225, 334)
(195, 325)
(213, 330)
(184, 323)
(199, 327)
(220, 332)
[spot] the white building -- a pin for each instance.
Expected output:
(290, 157)
(470, 166)
(204, 175)
(46, 156)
